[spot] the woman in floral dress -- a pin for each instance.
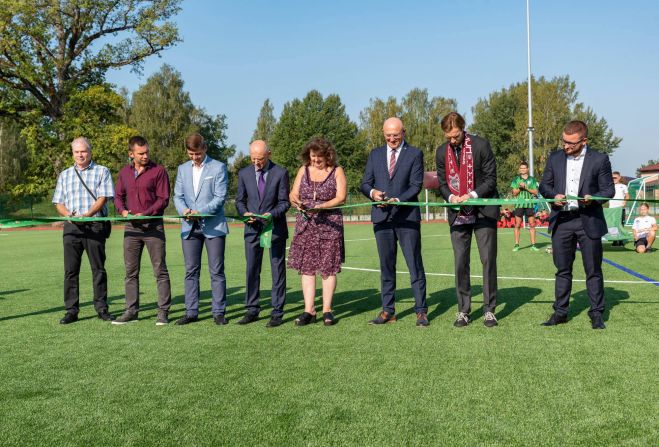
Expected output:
(317, 248)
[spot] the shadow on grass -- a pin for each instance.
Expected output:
(612, 297)
(178, 301)
(4, 293)
(514, 298)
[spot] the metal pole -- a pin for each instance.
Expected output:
(530, 101)
(427, 208)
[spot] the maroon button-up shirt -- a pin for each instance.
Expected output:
(147, 193)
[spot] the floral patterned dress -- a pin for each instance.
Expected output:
(317, 247)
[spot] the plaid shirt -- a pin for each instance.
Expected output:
(73, 194)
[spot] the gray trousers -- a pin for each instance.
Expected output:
(192, 249)
(136, 236)
(486, 239)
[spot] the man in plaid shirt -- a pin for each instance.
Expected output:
(72, 198)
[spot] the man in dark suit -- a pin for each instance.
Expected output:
(394, 173)
(466, 169)
(577, 171)
(263, 189)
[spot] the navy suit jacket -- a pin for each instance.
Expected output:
(404, 185)
(275, 201)
(596, 180)
(485, 177)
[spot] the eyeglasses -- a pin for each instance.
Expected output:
(572, 143)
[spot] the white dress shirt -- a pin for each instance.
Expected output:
(573, 177)
(196, 175)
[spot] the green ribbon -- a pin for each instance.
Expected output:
(265, 235)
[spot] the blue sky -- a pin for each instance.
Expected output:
(236, 54)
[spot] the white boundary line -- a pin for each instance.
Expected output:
(515, 278)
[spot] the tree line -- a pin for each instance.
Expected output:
(55, 55)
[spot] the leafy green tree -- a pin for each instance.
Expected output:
(94, 113)
(265, 123)
(13, 154)
(421, 115)
(214, 131)
(240, 161)
(50, 49)
(162, 112)
(54, 55)
(313, 116)
(502, 118)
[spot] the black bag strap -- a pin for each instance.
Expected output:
(87, 188)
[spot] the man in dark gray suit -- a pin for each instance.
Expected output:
(394, 173)
(577, 171)
(263, 189)
(466, 169)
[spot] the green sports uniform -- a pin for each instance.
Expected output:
(531, 183)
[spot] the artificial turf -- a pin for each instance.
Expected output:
(92, 383)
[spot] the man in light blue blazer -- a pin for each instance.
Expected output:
(201, 188)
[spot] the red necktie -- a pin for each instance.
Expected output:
(392, 163)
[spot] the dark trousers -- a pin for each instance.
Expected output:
(567, 231)
(387, 237)
(88, 238)
(486, 239)
(136, 237)
(254, 257)
(192, 249)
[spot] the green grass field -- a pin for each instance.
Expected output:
(91, 383)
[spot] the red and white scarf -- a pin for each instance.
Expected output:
(461, 180)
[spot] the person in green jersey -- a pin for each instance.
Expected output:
(524, 187)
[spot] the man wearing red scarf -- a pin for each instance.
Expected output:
(466, 169)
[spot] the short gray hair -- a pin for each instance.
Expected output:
(82, 140)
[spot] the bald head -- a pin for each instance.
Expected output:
(259, 153)
(394, 132)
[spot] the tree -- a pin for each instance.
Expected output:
(213, 129)
(162, 111)
(421, 115)
(13, 154)
(94, 113)
(647, 163)
(54, 55)
(313, 116)
(502, 118)
(241, 161)
(51, 49)
(265, 123)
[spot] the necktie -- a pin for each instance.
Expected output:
(392, 163)
(458, 152)
(261, 183)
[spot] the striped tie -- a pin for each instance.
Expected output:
(392, 163)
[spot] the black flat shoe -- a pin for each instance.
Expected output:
(69, 318)
(305, 319)
(248, 318)
(328, 319)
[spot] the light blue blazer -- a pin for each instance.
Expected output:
(208, 200)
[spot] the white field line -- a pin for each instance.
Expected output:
(515, 278)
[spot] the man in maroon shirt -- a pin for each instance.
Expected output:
(143, 190)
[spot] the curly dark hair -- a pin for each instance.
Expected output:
(321, 147)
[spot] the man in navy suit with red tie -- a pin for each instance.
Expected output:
(394, 173)
(263, 189)
(577, 171)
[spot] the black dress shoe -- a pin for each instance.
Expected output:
(274, 322)
(248, 318)
(105, 316)
(597, 322)
(69, 318)
(220, 320)
(186, 320)
(555, 319)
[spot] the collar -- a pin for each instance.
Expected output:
(581, 155)
(265, 169)
(149, 165)
(89, 166)
(399, 148)
(203, 163)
